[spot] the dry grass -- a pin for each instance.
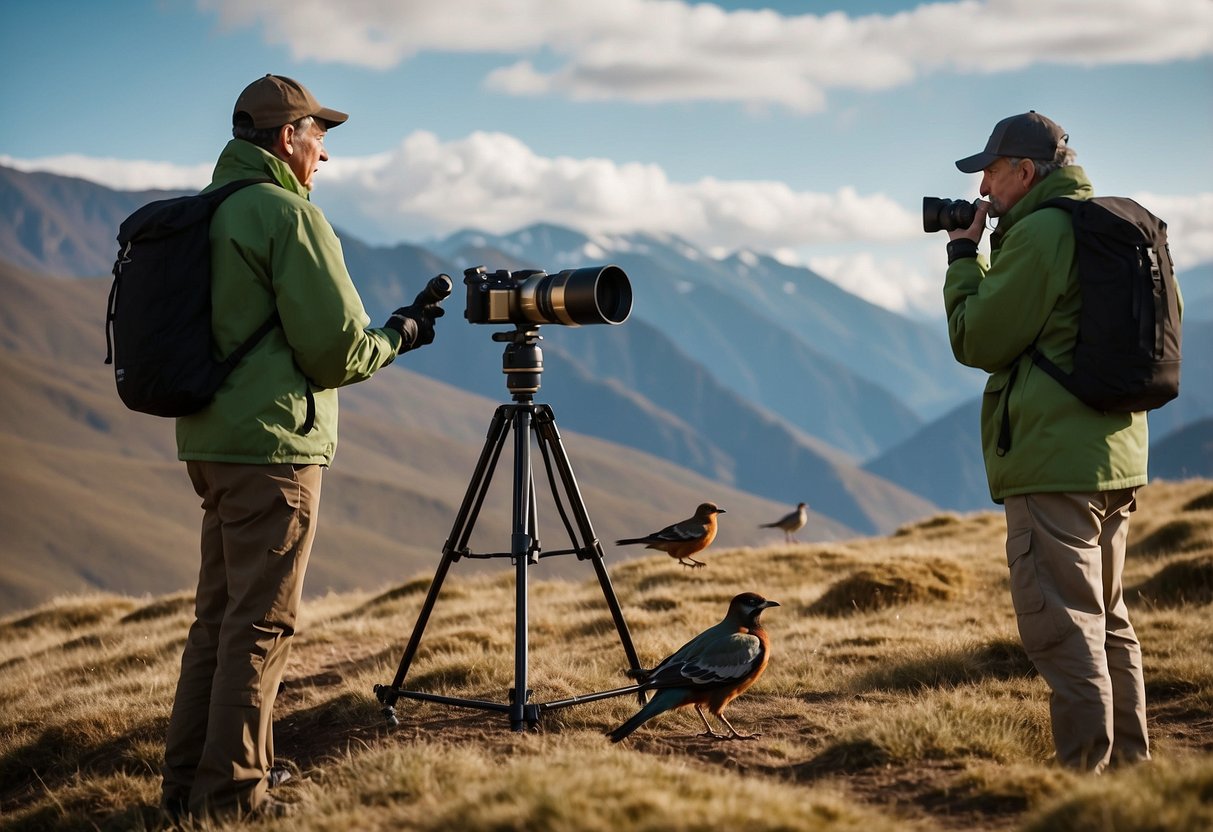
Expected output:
(898, 698)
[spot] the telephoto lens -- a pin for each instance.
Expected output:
(946, 214)
(574, 297)
(591, 295)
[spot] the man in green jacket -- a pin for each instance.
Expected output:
(256, 453)
(1066, 473)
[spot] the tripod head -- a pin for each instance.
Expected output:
(522, 360)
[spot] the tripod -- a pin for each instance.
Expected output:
(522, 364)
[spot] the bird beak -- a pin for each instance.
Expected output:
(765, 604)
(721, 511)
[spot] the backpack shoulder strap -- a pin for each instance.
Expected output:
(227, 189)
(237, 355)
(1069, 205)
(217, 196)
(169, 216)
(1065, 203)
(241, 351)
(1041, 361)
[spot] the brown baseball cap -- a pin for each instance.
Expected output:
(276, 100)
(1026, 136)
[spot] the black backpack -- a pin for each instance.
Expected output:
(158, 325)
(1128, 352)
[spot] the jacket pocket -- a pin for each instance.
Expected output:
(1025, 585)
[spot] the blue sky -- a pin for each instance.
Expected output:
(807, 129)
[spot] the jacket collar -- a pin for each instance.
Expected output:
(1069, 181)
(244, 160)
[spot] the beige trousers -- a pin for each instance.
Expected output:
(1066, 554)
(257, 531)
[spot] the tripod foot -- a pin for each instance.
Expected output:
(387, 698)
(530, 718)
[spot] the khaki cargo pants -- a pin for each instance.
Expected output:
(257, 531)
(1066, 554)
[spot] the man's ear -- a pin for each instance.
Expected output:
(284, 144)
(1027, 173)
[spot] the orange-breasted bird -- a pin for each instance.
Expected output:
(712, 669)
(683, 539)
(790, 523)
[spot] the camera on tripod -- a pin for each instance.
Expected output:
(527, 299)
(589, 295)
(946, 214)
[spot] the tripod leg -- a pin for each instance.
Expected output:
(521, 549)
(456, 542)
(545, 427)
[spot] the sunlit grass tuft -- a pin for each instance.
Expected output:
(892, 584)
(1186, 581)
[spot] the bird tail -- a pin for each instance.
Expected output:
(641, 717)
(657, 705)
(629, 541)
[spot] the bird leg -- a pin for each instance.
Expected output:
(708, 732)
(734, 733)
(691, 562)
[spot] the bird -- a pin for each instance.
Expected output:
(685, 538)
(791, 522)
(711, 670)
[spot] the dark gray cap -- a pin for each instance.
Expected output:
(1026, 136)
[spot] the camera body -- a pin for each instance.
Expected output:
(589, 295)
(946, 214)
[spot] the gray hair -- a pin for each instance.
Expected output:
(263, 137)
(1065, 156)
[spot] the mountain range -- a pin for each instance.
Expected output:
(92, 496)
(742, 374)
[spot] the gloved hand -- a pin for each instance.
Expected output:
(415, 323)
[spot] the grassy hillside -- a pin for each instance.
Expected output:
(898, 698)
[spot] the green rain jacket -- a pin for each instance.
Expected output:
(272, 249)
(1029, 292)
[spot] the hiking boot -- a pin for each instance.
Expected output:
(272, 807)
(175, 810)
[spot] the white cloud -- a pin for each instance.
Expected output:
(886, 281)
(670, 50)
(1189, 225)
(495, 182)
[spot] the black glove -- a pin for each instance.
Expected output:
(415, 323)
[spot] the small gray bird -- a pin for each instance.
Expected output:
(791, 522)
